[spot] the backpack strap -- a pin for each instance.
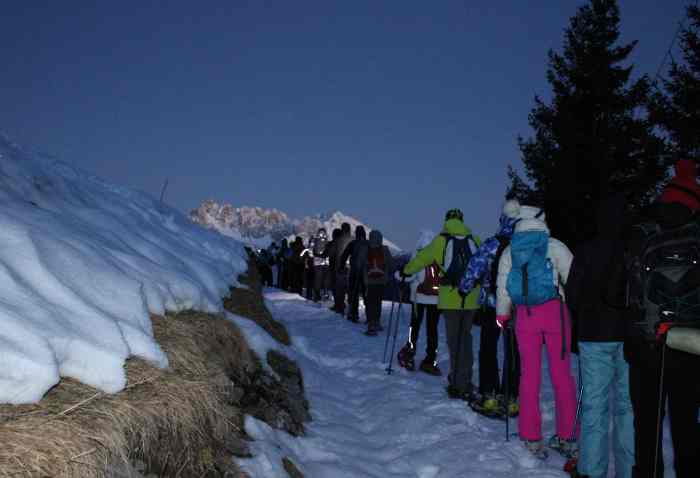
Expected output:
(687, 191)
(448, 238)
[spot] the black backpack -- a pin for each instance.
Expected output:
(663, 267)
(461, 253)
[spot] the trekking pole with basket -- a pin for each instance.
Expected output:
(506, 370)
(391, 319)
(571, 463)
(389, 369)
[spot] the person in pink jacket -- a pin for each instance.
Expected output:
(541, 318)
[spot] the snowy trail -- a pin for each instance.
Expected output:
(369, 424)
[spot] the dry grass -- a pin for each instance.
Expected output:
(249, 303)
(173, 420)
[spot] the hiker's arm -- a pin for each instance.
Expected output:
(426, 256)
(479, 264)
(347, 252)
(562, 259)
(503, 302)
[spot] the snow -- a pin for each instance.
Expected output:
(368, 424)
(82, 264)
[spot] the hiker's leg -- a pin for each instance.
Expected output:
(488, 352)
(597, 362)
(563, 381)
(454, 319)
(623, 417)
(432, 319)
(530, 347)
(373, 307)
(682, 385)
(466, 356)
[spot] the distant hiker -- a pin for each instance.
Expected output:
(375, 275)
(309, 272)
(330, 253)
(601, 332)
(264, 263)
(531, 275)
(273, 250)
(451, 251)
(661, 287)
(425, 286)
(296, 263)
(341, 270)
(483, 270)
(318, 245)
(283, 264)
(356, 253)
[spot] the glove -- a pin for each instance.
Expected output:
(501, 320)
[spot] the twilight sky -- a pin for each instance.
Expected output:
(390, 111)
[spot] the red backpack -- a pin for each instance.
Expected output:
(376, 266)
(431, 283)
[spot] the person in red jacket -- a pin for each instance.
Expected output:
(683, 188)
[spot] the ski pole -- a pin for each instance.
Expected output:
(579, 403)
(388, 332)
(660, 410)
(506, 380)
(396, 331)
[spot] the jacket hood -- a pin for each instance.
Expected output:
(511, 209)
(375, 238)
(609, 216)
(455, 227)
(531, 219)
(686, 169)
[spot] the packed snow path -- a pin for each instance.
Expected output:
(369, 424)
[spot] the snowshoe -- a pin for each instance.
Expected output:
(566, 448)
(512, 407)
(371, 332)
(430, 367)
(571, 467)
(457, 394)
(406, 357)
(537, 448)
(488, 406)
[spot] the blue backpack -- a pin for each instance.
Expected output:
(531, 278)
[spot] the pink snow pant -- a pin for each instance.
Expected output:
(543, 325)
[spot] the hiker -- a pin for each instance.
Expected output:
(375, 275)
(531, 272)
(424, 287)
(318, 246)
(296, 265)
(671, 291)
(356, 252)
(273, 250)
(341, 270)
(308, 260)
(601, 332)
(283, 264)
(451, 251)
(330, 253)
(483, 269)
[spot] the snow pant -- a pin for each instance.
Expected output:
(309, 282)
(275, 275)
(682, 391)
(297, 278)
(358, 289)
(341, 285)
(605, 373)
(320, 281)
(489, 382)
(458, 330)
(537, 325)
(283, 275)
(373, 305)
(432, 318)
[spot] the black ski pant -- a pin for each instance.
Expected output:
(458, 328)
(309, 282)
(489, 382)
(340, 289)
(432, 314)
(682, 392)
(358, 289)
(373, 305)
(297, 278)
(320, 281)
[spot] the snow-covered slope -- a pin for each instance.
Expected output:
(82, 263)
(258, 226)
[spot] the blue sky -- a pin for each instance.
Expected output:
(391, 111)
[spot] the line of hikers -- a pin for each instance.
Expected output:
(630, 295)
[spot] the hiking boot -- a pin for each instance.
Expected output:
(406, 357)
(371, 332)
(567, 448)
(353, 318)
(456, 394)
(536, 447)
(513, 409)
(487, 405)
(430, 367)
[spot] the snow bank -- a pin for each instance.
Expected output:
(82, 263)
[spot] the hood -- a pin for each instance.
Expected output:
(609, 216)
(455, 227)
(375, 238)
(686, 169)
(531, 218)
(425, 237)
(511, 209)
(360, 233)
